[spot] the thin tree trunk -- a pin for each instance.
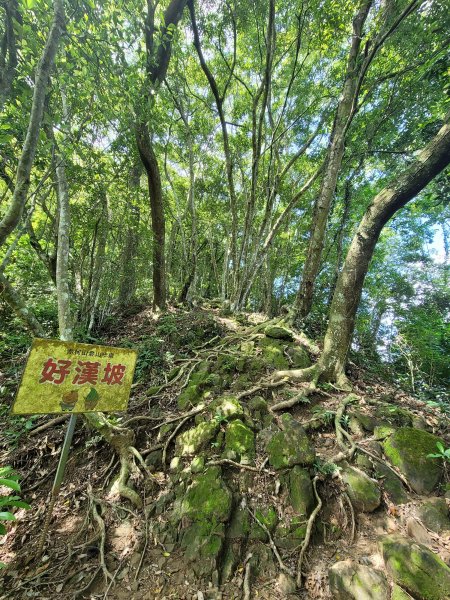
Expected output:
(336, 148)
(8, 57)
(14, 213)
(434, 157)
(99, 261)
(62, 254)
(219, 100)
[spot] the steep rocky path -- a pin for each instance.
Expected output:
(333, 498)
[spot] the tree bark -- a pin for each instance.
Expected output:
(150, 163)
(156, 69)
(8, 56)
(335, 154)
(14, 213)
(62, 253)
(433, 159)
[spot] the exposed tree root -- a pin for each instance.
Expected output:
(232, 463)
(170, 438)
(352, 514)
(340, 431)
(47, 425)
(309, 528)
(308, 374)
(101, 526)
(299, 398)
(273, 546)
(247, 577)
(263, 385)
(121, 440)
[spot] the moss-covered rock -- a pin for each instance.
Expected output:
(291, 446)
(368, 421)
(202, 543)
(195, 439)
(269, 518)
(364, 462)
(299, 357)
(227, 407)
(408, 450)
(190, 396)
(257, 403)
(273, 353)
(394, 415)
(290, 536)
(381, 432)
(434, 514)
(197, 464)
(207, 498)
(301, 492)
(415, 568)
(362, 490)
(351, 581)
(391, 484)
(399, 594)
(239, 441)
(279, 333)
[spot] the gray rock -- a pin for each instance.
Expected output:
(286, 585)
(434, 514)
(418, 532)
(351, 581)
(391, 484)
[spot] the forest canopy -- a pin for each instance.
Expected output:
(181, 151)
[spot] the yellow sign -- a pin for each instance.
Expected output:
(77, 378)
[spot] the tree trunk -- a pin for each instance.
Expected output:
(336, 149)
(150, 163)
(8, 57)
(62, 255)
(434, 157)
(15, 301)
(156, 68)
(99, 261)
(14, 213)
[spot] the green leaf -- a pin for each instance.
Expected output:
(11, 484)
(7, 516)
(19, 504)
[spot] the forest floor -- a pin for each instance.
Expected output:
(101, 546)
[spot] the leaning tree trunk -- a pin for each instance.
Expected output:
(434, 157)
(14, 213)
(336, 149)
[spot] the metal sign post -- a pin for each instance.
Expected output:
(58, 480)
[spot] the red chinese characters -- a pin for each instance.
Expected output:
(114, 374)
(86, 371)
(55, 371)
